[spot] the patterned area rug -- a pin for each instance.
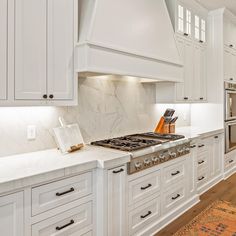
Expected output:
(219, 219)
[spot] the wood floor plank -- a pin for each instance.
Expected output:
(225, 190)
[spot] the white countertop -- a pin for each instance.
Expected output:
(192, 132)
(29, 169)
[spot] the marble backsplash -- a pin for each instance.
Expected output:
(106, 108)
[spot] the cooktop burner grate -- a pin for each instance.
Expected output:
(170, 137)
(128, 143)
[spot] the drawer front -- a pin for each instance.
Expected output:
(174, 196)
(55, 194)
(174, 173)
(202, 177)
(144, 186)
(202, 161)
(229, 162)
(203, 146)
(143, 215)
(69, 223)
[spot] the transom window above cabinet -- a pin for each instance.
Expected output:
(199, 29)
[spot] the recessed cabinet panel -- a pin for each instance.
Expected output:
(30, 49)
(60, 48)
(11, 215)
(3, 49)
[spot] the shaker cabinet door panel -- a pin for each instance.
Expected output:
(3, 49)
(11, 215)
(60, 48)
(30, 49)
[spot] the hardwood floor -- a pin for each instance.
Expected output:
(225, 190)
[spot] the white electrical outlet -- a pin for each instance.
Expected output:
(31, 132)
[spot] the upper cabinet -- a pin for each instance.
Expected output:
(188, 19)
(37, 52)
(3, 48)
(229, 31)
(44, 46)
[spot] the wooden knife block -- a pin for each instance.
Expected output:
(164, 128)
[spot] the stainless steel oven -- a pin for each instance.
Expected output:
(230, 101)
(230, 136)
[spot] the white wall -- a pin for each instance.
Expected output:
(106, 109)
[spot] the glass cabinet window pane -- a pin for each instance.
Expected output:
(203, 30)
(180, 18)
(188, 21)
(197, 28)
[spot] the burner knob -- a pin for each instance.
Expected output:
(172, 154)
(138, 165)
(162, 157)
(180, 151)
(155, 160)
(147, 162)
(187, 149)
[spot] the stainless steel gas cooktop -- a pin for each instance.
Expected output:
(136, 142)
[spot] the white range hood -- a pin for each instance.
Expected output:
(127, 37)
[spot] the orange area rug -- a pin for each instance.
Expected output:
(219, 219)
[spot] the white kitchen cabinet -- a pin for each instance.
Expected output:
(30, 49)
(44, 45)
(218, 147)
(12, 215)
(116, 201)
(199, 86)
(3, 48)
(229, 64)
(229, 31)
(209, 161)
(184, 90)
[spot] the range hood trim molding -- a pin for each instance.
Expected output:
(103, 61)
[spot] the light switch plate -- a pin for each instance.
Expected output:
(31, 132)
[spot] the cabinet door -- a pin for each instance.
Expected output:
(200, 83)
(227, 32)
(228, 65)
(184, 90)
(218, 153)
(116, 202)
(60, 48)
(12, 215)
(30, 49)
(3, 49)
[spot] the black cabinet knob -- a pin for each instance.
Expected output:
(45, 96)
(185, 34)
(231, 45)
(51, 96)
(201, 98)
(231, 79)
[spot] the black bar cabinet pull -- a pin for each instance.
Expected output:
(185, 98)
(193, 146)
(66, 192)
(200, 146)
(148, 186)
(201, 98)
(64, 226)
(148, 214)
(185, 34)
(216, 137)
(176, 173)
(177, 196)
(231, 161)
(200, 162)
(118, 171)
(199, 179)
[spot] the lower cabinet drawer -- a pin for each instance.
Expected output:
(229, 162)
(173, 197)
(143, 215)
(69, 223)
(174, 173)
(202, 161)
(55, 194)
(202, 177)
(144, 186)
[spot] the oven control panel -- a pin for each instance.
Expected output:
(143, 162)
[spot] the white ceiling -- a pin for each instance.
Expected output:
(214, 4)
